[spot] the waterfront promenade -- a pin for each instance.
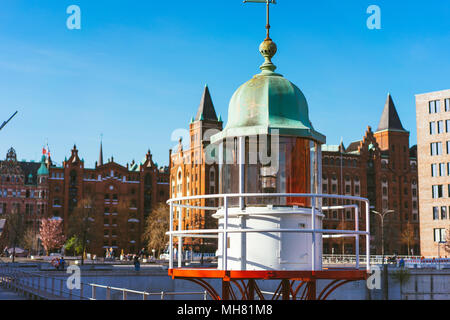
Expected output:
(114, 281)
(6, 294)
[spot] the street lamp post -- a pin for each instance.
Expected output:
(382, 215)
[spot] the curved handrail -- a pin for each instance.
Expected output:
(177, 202)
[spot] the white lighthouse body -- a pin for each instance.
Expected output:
(269, 148)
(248, 251)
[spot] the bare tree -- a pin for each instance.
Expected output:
(156, 226)
(407, 236)
(15, 228)
(30, 239)
(447, 240)
(81, 223)
(343, 225)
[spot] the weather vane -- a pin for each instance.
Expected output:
(267, 2)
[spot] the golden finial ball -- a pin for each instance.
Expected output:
(268, 48)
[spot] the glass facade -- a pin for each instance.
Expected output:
(271, 165)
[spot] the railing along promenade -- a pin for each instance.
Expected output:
(44, 287)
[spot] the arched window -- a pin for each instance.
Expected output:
(148, 180)
(73, 177)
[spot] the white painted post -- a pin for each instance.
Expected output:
(357, 236)
(367, 237)
(171, 237)
(162, 295)
(313, 227)
(225, 235)
(180, 239)
(241, 170)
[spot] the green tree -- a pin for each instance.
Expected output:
(74, 246)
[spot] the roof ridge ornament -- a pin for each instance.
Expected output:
(268, 48)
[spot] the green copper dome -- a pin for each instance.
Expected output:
(266, 103)
(43, 171)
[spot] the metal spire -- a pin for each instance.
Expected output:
(100, 159)
(267, 2)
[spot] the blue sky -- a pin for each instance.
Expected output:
(136, 70)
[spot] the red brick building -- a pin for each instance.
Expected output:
(383, 168)
(24, 187)
(191, 175)
(123, 197)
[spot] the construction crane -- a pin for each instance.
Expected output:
(6, 122)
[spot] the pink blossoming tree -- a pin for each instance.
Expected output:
(52, 236)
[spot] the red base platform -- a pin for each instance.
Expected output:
(241, 285)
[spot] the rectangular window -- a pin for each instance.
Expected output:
(439, 235)
(432, 127)
(443, 213)
(448, 147)
(447, 105)
(437, 191)
(447, 126)
(442, 169)
(434, 170)
(435, 213)
(440, 127)
(436, 148)
(432, 107)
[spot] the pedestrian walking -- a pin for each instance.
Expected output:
(137, 264)
(61, 264)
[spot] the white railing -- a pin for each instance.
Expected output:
(224, 231)
(351, 259)
(55, 288)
